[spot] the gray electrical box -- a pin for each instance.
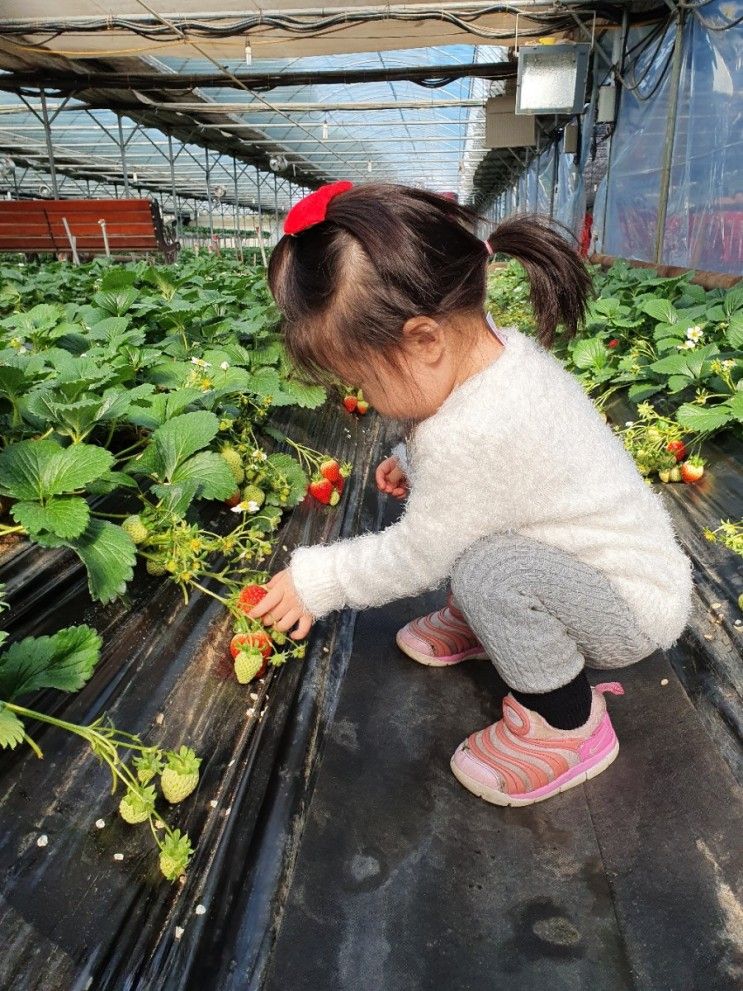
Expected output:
(503, 129)
(570, 139)
(606, 108)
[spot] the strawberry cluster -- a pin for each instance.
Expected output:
(327, 484)
(253, 650)
(354, 402)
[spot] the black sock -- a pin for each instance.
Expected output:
(564, 708)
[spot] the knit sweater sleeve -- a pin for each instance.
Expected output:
(443, 516)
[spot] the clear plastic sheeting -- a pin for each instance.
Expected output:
(626, 226)
(545, 180)
(704, 220)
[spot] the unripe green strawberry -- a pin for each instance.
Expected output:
(175, 854)
(248, 665)
(155, 568)
(252, 493)
(136, 529)
(181, 775)
(148, 765)
(234, 463)
(135, 807)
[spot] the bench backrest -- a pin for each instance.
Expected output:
(38, 226)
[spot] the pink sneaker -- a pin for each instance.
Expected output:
(521, 759)
(440, 638)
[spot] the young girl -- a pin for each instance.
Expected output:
(558, 553)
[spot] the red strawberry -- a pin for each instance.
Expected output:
(331, 470)
(677, 448)
(362, 406)
(350, 402)
(250, 596)
(613, 343)
(259, 640)
(692, 470)
(233, 500)
(321, 489)
(339, 485)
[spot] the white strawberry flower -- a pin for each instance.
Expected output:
(630, 423)
(224, 366)
(241, 507)
(695, 334)
(259, 455)
(253, 506)
(728, 363)
(200, 362)
(687, 346)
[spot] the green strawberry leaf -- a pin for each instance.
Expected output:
(703, 419)
(11, 728)
(735, 331)
(21, 468)
(64, 661)
(182, 436)
(641, 391)
(301, 394)
(73, 467)
(116, 301)
(591, 353)
(108, 555)
(211, 473)
(735, 405)
(660, 309)
(177, 498)
(63, 517)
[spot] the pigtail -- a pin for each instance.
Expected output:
(559, 281)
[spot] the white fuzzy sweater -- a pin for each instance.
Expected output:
(517, 447)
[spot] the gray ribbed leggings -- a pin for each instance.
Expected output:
(542, 614)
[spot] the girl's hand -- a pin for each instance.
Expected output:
(282, 608)
(391, 478)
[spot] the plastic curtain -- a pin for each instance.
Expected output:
(545, 180)
(704, 219)
(631, 199)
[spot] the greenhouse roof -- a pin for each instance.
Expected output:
(94, 73)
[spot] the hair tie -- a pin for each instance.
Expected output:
(313, 208)
(488, 247)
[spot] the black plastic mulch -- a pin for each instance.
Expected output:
(340, 852)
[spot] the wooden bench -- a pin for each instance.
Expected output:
(82, 228)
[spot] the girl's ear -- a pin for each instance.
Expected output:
(423, 339)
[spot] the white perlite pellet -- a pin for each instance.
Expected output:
(42, 840)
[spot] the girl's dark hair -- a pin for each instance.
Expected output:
(386, 253)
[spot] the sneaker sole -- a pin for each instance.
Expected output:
(502, 798)
(440, 662)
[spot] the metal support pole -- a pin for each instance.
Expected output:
(665, 172)
(122, 149)
(619, 59)
(171, 162)
(209, 194)
(236, 221)
(276, 206)
(49, 148)
(260, 217)
(555, 166)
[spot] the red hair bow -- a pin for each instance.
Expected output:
(312, 209)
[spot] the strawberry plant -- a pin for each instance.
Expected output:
(647, 336)
(65, 661)
(155, 384)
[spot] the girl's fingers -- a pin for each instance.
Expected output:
(269, 603)
(303, 627)
(380, 476)
(288, 620)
